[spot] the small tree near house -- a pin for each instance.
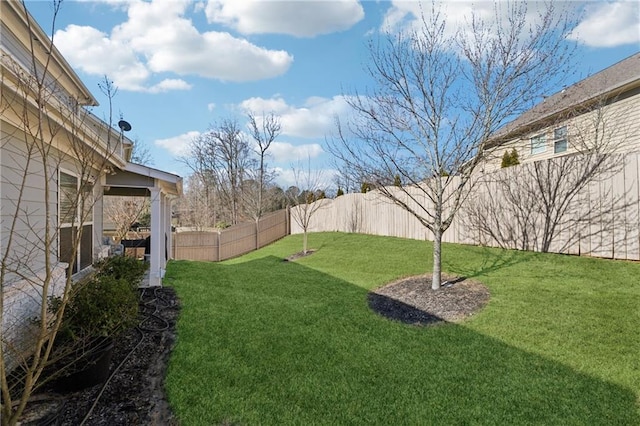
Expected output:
(123, 212)
(59, 154)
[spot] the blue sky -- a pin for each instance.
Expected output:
(182, 65)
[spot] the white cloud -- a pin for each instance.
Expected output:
(159, 38)
(285, 152)
(211, 106)
(287, 178)
(297, 18)
(171, 43)
(87, 49)
(314, 119)
(110, 2)
(170, 84)
(405, 15)
(177, 145)
(609, 24)
(220, 56)
(276, 105)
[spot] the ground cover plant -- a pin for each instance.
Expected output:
(263, 341)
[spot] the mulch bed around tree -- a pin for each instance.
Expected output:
(135, 393)
(298, 255)
(412, 301)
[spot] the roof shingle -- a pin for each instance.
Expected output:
(605, 82)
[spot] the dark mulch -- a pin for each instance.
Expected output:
(298, 255)
(411, 300)
(135, 393)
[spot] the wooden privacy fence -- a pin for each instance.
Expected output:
(231, 242)
(503, 210)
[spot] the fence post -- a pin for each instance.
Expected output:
(287, 220)
(257, 233)
(219, 244)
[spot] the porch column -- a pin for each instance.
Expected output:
(157, 239)
(98, 217)
(167, 226)
(163, 253)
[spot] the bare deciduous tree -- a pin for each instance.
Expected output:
(123, 211)
(221, 158)
(346, 181)
(58, 151)
(439, 96)
(196, 207)
(306, 202)
(264, 132)
(141, 153)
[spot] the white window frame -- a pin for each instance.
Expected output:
(78, 219)
(560, 139)
(61, 224)
(538, 144)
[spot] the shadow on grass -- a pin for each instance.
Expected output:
(275, 342)
(493, 259)
(397, 310)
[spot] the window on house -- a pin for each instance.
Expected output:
(560, 139)
(538, 144)
(68, 186)
(75, 213)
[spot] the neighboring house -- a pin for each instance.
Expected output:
(601, 112)
(57, 161)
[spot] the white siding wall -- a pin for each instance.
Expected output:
(23, 222)
(618, 125)
(22, 211)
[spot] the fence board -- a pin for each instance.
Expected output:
(194, 245)
(609, 233)
(273, 227)
(632, 197)
(231, 242)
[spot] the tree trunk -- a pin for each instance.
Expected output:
(304, 242)
(437, 259)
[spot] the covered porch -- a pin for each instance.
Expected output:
(161, 188)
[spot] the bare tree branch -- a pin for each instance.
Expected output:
(306, 197)
(437, 100)
(538, 204)
(264, 132)
(60, 151)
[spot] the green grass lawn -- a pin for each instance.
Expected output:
(262, 341)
